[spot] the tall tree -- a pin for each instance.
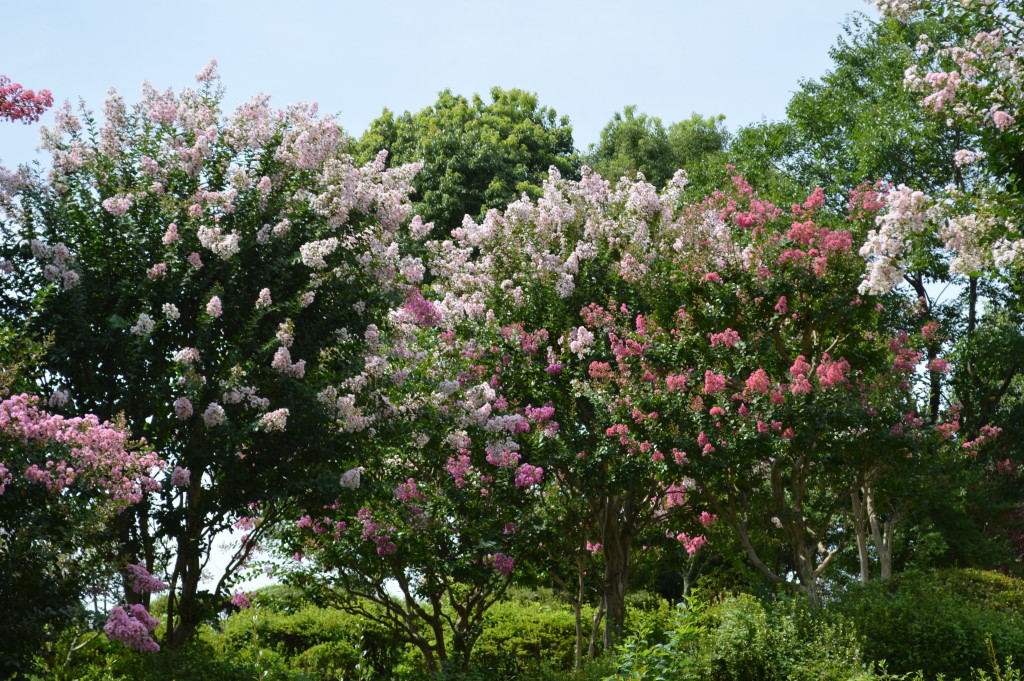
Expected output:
(197, 266)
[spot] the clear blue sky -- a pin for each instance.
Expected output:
(587, 60)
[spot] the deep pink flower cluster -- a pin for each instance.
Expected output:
(19, 104)
(528, 475)
(502, 563)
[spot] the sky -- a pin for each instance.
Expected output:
(587, 60)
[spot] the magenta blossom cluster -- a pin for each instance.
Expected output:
(133, 626)
(142, 581)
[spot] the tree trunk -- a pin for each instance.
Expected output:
(617, 539)
(859, 518)
(595, 627)
(883, 533)
(577, 608)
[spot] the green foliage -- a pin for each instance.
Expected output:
(521, 636)
(641, 660)
(476, 155)
(748, 640)
(633, 143)
(196, 661)
(318, 641)
(938, 622)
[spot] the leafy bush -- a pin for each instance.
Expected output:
(640, 659)
(322, 642)
(938, 622)
(521, 636)
(746, 640)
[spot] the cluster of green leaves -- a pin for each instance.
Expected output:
(477, 155)
(634, 143)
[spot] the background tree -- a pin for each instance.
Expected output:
(476, 155)
(633, 143)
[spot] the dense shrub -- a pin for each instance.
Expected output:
(938, 622)
(520, 636)
(747, 640)
(322, 642)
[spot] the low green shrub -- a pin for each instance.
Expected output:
(745, 639)
(320, 642)
(938, 622)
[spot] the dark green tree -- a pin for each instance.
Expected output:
(633, 143)
(477, 155)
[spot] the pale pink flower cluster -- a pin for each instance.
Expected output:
(275, 421)
(224, 245)
(1002, 120)
(171, 311)
(143, 326)
(213, 307)
(118, 205)
(966, 157)
(187, 356)
(264, 300)
(314, 252)
(180, 477)
(214, 415)
(283, 363)
(885, 248)
(350, 479)
(965, 236)
(580, 341)
(57, 262)
(900, 10)
(182, 408)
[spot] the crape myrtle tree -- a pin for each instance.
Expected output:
(198, 266)
(531, 277)
(970, 81)
(783, 393)
(476, 154)
(491, 386)
(424, 535)
(532, 274)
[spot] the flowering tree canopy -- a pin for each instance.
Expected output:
(203, 274)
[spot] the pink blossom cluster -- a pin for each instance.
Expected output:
(528, 475)
(502, 564)
(132, 626)
(141, 581)
(19, 104)
(275, 421)
(75, 449)
(283, 362)
(886, 247)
